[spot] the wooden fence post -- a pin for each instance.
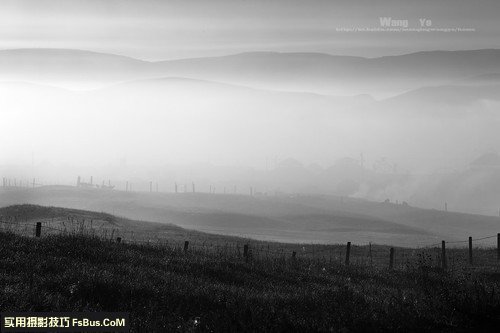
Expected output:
(245, 252)
(38, 230)
(498, 247)
(391, 258)
(118, 240)
(186, 246)
(443, 255)
(371, 258)
(470, 250)
(347, 253)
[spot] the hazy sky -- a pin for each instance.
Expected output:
(165, 29)
(121, 132)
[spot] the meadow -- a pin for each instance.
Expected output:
(217, 288)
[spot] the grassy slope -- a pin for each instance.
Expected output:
(21, 219)
(102, 225)
(165, 290)
(450, 224)
(288, 219)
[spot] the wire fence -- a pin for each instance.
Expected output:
(476, 253)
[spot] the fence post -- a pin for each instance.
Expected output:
(371, 258)
(391, 258)
(245, 252)
(38, 230)
(186, 246)
(118, 240)
(498, 247)
(443, 254)
(347, 253)
(470, 250)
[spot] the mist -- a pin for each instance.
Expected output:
(223, 127)
(226, 99)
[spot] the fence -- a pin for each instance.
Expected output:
(477, 254)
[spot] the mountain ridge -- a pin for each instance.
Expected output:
(320, 73)
(320, 54)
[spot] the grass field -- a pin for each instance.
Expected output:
(165, 289)
(21, 220)
(214, 288)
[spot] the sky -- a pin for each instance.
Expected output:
(169, 29)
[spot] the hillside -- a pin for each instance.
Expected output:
(430, 100)
(20, 219)
(69, 68)
(302, 219)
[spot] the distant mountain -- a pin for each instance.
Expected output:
(492, 78)
(20, 97)
(333, 74)
(489, 160)
(72, 68)
(446, 100)
(174, 88)
(42, 89)
(449, 94)
(311, 72)
(171, 89)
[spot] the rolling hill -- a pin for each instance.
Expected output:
(456, 96)
(303, 219)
